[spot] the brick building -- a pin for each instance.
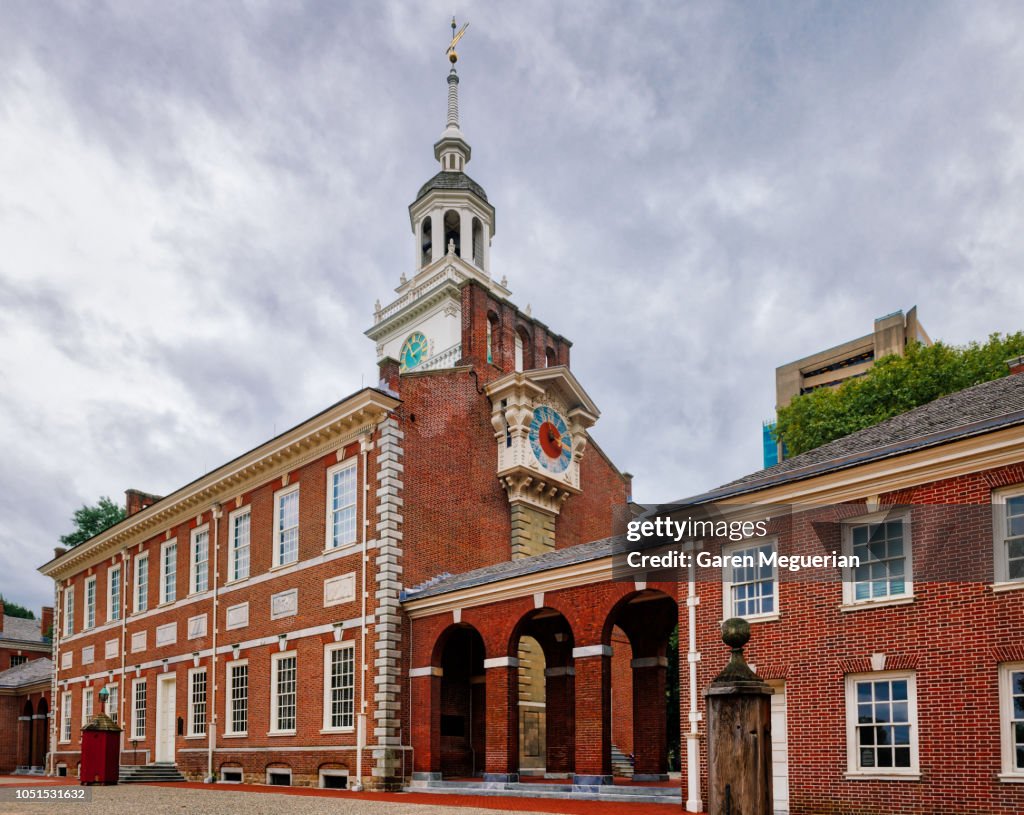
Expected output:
(25, 675)
(899, 686)
(251, 625)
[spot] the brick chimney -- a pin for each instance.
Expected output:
(136, 501)
(45, 620)
(59, 550)
(1016, 365)
(389, 373)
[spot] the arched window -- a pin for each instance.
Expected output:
(452, 228)
(492, 326)
(549, 358)
(426, 241)
(478, 243)
(519, 351)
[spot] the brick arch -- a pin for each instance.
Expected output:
(647, 632)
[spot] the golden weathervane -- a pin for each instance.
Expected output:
(450, 50)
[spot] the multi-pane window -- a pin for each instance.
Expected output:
(18, 659)
(200, 561)
(239, 567)
(286, 526)
(114, 593)
(65, 716)
(883, 552)
(339, 691)
(238, 697)
(141, 583)
(751, 586)
(1011, 692)
(341, 505)
(90, 602)
(1009, 537)
(110, 708)
(197, 702)
(881, 719)
(69, 611)
(139, 709)
(168, 572)
(283, 684)
(87, 701)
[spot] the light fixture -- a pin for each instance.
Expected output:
(195, 659)
(282, 642)
(164, 660)
(138, 670)
(337, 632)
(235, 649)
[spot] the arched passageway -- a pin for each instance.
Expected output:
(461, 712)
(542, 642)
(647, 619)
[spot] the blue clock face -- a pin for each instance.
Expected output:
(414, 351)
(550, 439)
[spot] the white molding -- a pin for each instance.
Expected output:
(426, 670)
(501, 662)
(586, 651)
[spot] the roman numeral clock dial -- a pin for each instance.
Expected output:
(550, 439)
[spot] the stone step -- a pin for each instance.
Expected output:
(609, 792)
(143, 773)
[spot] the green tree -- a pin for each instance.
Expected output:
(894, 385)
(12, 609)
(91, 521)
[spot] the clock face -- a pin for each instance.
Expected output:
(414, 351)
(550, 439)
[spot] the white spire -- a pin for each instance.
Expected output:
(452, 149)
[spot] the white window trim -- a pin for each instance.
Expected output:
(275, 660)
(134, 729)
(228, 721)
(110, 707)
(849, 601)
(190, 708)
(328, 651)
(65, 717)
(69, 611)
(329, 545)
(110, 593)
(232, 552)
(193, 575)
(141, 567)
(163, 571)
(279, 771)
(281, 493)
(1009, 774)
(330, 773)
(884, 773)
(88, 625)
(91, 694)
(727, 602)
(1000, 559)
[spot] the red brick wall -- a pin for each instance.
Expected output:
(622, 692)
(954, 635)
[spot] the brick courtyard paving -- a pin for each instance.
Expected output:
(201, 799)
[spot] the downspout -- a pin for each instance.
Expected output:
(693, 801)
(364, 445)
(211, 681)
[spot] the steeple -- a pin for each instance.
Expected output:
(452, 150)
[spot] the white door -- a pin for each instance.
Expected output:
(780, 750)
(165, 718)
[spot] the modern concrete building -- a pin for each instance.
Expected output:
(833, 366)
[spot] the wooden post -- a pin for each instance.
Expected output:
(739, 733)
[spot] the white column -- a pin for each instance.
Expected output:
(693, 800)
(437, 251)
(466, 234)
(486, 266)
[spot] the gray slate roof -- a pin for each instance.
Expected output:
(971, 412)
(18, 628)
(28, 673)
(445, 180)
(516, 568)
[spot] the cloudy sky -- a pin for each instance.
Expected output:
(200, 202)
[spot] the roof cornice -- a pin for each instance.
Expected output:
(316, 436)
